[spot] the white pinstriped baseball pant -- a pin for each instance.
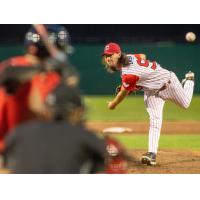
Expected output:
(174, 92)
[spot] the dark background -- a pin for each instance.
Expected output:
(105, 32)
(164, 43)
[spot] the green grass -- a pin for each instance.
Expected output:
(183, 142)
(133, 109)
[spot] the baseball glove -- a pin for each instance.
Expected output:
(118, 89)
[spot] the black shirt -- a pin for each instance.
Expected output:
(53, 147)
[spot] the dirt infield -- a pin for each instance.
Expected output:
(179, 127)
(169, 161)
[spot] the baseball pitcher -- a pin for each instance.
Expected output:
(158, 84)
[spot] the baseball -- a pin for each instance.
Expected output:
(190, 37)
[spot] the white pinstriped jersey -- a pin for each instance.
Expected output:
(150, 75)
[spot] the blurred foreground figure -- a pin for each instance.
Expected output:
(58, 145)
(26, 80)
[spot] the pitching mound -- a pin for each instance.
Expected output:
(168, 162)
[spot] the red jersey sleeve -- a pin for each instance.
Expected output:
(129, 82)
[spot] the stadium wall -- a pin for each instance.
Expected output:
(95, 80)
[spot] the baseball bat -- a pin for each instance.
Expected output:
(51, 47)
(40, 28)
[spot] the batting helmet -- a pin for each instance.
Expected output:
(57, 35)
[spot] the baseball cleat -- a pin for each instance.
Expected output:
(149, 158)
(188, 76)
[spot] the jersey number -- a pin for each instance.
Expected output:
(146, 63)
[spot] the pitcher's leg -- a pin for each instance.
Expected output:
(154, 106)
(188, 88)
(180, 95)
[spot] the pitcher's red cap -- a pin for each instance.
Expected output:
(111, 48)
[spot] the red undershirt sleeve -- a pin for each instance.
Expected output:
(129, 82)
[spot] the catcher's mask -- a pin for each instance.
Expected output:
(57, 35)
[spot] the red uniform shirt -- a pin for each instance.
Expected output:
(45, 83)
(14, 109)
